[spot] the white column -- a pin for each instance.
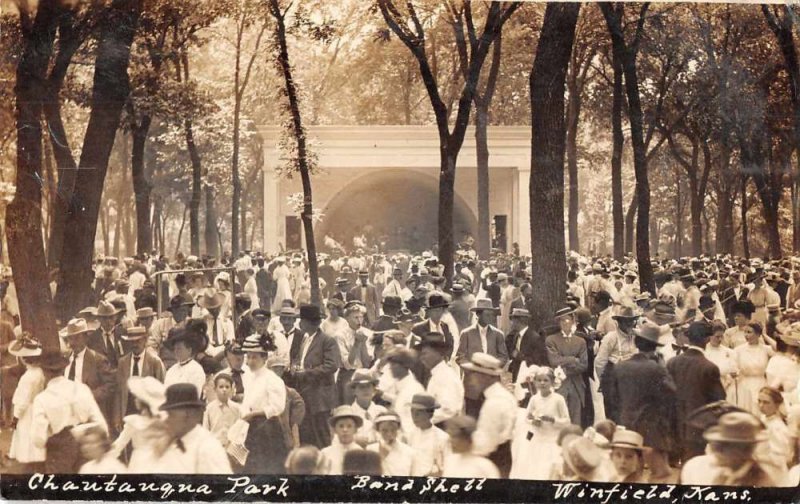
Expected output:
(522, 222)
(272, 210)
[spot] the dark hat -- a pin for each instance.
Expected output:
(698, 332)
(602, 296)
(52, 361)
(393, 302)
(178, 301)
(402, 356)
(178, 333)
(435, 340)
(484, 304)
(260, 313)
(424, 401)
(437, 301)
(182, 395)
(707, 302)
(736, 427)
(746, 308)
(363, 273)
(563, 312)
(310, 312)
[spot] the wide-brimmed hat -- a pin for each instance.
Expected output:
(75, 327)
(520, 313)
(52, 361)
(345, 411)
(287, 311)
(789, 334)
(89, 310)
(258, 343)
(342, 281)
(310, 312)
(484, 363)
(260, 313)
(403, 356)
(424, 401)
(106, 309)
(392, 302)
(436, 301)
(649, 332)
(28, 346)
(362, 376)
(662, 313)
(145, 312)
(148, 390)
(582, 456)
(178, 301)
(626, 313)
(182, 395)
(564, 312)
(624, 438)
(134, 333)
(736, 427)
(484, 304)
(211, 299)
(178, 334)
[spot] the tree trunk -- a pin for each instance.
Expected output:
(197, 189)
(547, 83)
(302, 155)
(726, 196)
(105, 231)
(141, 187)
(618, 104)
(573, 114)
(211, 233)
(235, 180)
(243, 213)
(630, 229)
(109, 93)
(635, 118)
(447, 182)
(745, 232)
(180, 231)
(24, 213)
(678, 216)
(482, 149)
(117, 231)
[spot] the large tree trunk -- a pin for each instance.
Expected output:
(630, 229)
(616, 160)
(109, 93)
(573, 114)
(243, 213)
(745, 231)
(212, 240)
(24, 213)
(678, 252)
(482, 149)
(547, 84)
(235, 180)
(141, 187)
(302, 154)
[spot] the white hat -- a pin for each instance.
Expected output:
(148, 390)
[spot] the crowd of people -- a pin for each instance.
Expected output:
(395, 373)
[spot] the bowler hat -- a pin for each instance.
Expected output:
(182, 395)
(178, 334)
(437, 301)
(392, 302)
(736, 427)
(310, 312)
(178, 301)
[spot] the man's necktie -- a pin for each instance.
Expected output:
(71, 375)
(136, 365)
(109, 345)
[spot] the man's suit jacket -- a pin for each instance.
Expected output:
(150, 365)
(646, 398)
(372, 301)
(97, 342)
(422, 328)
(471, 343)
(697, 381)
(315, 382)
(531, 350)
(98, 375)
(571, 354)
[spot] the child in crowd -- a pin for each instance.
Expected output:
(222, 412)
(396, 456)
(96, 449)
(345, 423)
(627, 454)
(430, 443)
(462, 462)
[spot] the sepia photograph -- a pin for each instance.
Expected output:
(399, 251)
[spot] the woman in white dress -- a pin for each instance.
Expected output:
(725, 360)
(783, 369)
(751, 359)
(547, 415)
(780, 441)
(32, 382)
(283, 287)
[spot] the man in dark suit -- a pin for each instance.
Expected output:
(391, 307)
(367, 294)
(263, 284)
(314, 360)
(105, 340)
(568, 350)
(646, 399)
(732, 295)
(434, 309)
(697, 380)
(327, 273)
(524, 344)
(524, 299)
(88, 366)
(138, 361)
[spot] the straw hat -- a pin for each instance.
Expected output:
(624, 438)
(483, 304)
(345, 411)
(484, 363)
(28, 346)
(74, 327)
